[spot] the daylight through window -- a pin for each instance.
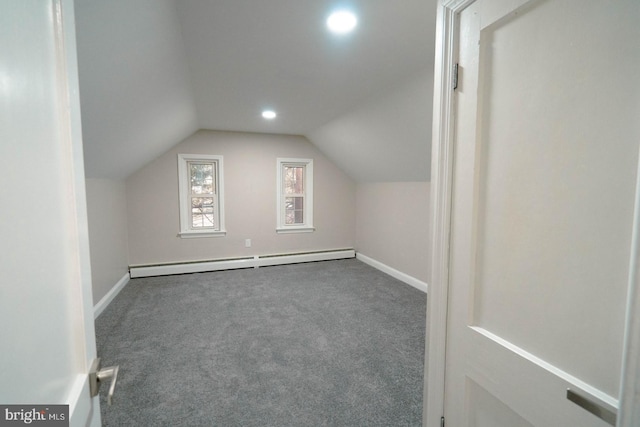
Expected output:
(295, 195)
(200, 179)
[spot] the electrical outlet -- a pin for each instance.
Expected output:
(247, 243)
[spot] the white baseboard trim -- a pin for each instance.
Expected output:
(403, 277)
(189, 267)
(268, 260)
(106, 300)
(231, 264)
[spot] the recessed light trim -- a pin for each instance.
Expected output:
(269, 114)
(342, 22)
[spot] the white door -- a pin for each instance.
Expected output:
(47, 333)
(545, 158)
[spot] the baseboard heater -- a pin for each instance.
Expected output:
(256, 261)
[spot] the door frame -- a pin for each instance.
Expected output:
(83, 409)
(440, 214)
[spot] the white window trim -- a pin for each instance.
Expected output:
(186, 232)
(307, 227)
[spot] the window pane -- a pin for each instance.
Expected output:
(202, 212)
(201, 178)
(293, 179)
(294, 210)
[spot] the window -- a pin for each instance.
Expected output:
(295, 195)
(201, 195)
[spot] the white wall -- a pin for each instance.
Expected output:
(392, 222)
(250, 201)
(107, 212)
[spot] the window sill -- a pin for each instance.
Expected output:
(288, 230)
(191, 234)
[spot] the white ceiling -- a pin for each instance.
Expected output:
(154, 71)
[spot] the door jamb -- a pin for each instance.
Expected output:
(81, 410)
(440, 210)
(629, 396)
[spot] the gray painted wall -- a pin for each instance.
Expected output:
(250, 206)
(392, 225)
(107, 214)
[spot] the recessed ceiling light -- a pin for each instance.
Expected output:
(269, 114)
(342, 22)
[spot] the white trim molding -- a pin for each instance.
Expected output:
(106, 300)
(396, 274)
(295, 230)
(256, 261)
(294, 258)
(441, 192)
(194, 234)
(629, 407)
(166, 269)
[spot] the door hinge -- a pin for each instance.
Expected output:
(455, 77)
(442, 419)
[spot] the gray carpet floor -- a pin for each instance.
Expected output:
(334, 343)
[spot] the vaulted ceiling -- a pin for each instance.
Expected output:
(154, 71)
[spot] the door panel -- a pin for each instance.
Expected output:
(546, 152)
(485, 410)
(556, 188)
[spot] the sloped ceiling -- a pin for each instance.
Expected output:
(386, 139)
(154, 71)
(135, 93)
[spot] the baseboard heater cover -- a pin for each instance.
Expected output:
(237, 263)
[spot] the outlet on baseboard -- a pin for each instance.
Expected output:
(247, 243)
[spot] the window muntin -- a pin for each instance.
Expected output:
(295, 195)
(201, 201)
